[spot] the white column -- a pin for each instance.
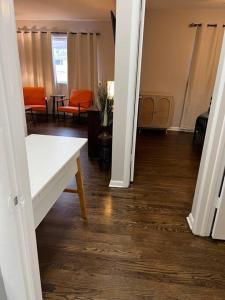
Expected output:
(126, 60)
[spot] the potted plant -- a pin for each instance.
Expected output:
(105, 103)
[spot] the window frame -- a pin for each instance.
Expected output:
(60, 59)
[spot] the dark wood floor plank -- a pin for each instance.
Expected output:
(136, 243)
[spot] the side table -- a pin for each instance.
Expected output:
(56, 98)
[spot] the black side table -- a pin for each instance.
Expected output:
(56, 98)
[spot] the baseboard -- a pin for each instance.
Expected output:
(186, 129)
(117, 184)
(174, 129)
(180, 129)
(190, 221)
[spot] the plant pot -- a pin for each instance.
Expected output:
(105, 149)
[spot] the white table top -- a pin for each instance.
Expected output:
(46, 157)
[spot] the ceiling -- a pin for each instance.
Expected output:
(63, 9)
(96, 9)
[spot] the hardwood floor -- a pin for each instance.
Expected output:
(136, 243)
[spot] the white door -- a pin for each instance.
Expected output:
(138, 79)
(19, 270)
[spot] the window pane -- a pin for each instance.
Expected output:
(59, 50)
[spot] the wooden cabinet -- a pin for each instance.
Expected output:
(155, 111)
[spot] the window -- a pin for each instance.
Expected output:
(59, 52)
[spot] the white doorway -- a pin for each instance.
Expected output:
(203, 211)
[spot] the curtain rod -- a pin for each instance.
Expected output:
(56, 32)
(200, 24)
(195, 25)
(211, 25)
(208, 25)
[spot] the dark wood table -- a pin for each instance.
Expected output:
(55, 99)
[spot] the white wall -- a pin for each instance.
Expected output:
(106, 42)
(168, 43)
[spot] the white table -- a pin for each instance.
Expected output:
(52, 162)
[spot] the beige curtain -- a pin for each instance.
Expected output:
(82, 61)
(202, 75)
(35, 52)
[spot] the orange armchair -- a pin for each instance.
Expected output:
(36, 99)
(79, 102)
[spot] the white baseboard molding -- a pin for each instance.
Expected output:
(117, 184)
(174, 129)
(190, 221)
(180, 129)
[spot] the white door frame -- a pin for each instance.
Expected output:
(18, 249)
(213, 160)
(138, 81)
(213, 157)
(128, 14)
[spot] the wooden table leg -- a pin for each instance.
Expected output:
(80, 191)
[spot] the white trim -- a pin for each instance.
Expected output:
(174, 129)
(186, 129)
(180, 129)
(2, 288)
(138, 82)
(18, 251)
(190, 220)
(212, 162)
(117, 184)
(127, 44)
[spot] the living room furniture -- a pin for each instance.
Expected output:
(155, 111)
(28, 109)
(79, 102)
(94, 129)
(56, 99)
(52, 162)
(200, 129)
(105, 150)
(35, 98)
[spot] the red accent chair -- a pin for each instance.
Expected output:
(36, 99)
(79, 102)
